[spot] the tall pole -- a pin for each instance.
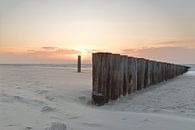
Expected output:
(79, 64)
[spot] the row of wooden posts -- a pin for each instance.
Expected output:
(116, 75)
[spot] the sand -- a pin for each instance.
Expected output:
(35, 98)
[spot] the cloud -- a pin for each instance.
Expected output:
(90, 51)
(49, 48)
(52, 51)
(184, 43)
(42, 55)
(182, 55)
(46, 54)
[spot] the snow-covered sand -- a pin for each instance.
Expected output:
(34, 97)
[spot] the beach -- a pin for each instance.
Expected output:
(35, 96)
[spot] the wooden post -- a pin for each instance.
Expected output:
(140, 73)
(79, 64)
(125, 76)
(116, 77)
(101, 78)
(121, 74)
(147, 73)
(132, 74)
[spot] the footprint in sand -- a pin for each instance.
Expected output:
(47, 109)
(41, 91)
(56, 126)
(92, 124)
(50, 98)
(74, 117)
(28, 128)
(49, 86)
(124, 118)
(84, 100)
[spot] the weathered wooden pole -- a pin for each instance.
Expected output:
(140, 73)
(147, 73)
(125, 76)
(79, 64)
(116, 77)
(132, 74)
(102, 64)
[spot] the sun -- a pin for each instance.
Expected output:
(83, 51)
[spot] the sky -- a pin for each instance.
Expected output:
(56, 31)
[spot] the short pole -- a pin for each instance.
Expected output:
(79, 64)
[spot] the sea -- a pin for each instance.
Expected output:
(34, 66)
